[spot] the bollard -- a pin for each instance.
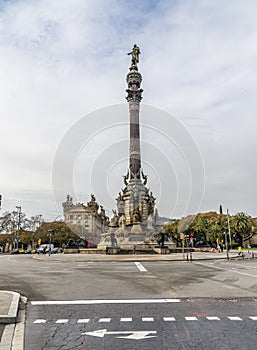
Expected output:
(252, 255)
(187, 257)
(191, 257)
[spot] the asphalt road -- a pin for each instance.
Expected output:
(211, 304)
(188, 324)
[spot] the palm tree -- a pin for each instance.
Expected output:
(242, 226)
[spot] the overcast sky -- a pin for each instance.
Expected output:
(63, 66)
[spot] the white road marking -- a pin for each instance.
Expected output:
(109, 301)
(126, 319)
(39, 321)
(244, 266)
(140, 267)
(235, 318)
(136, 335)
(168, 319)
(104, 320)
(147, 319)
(62, 320)
(224, 269)
(191, 319)
(83, 320)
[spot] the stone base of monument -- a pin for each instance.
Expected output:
(91, 251)
(162, 250)
(113, 250)
(71, 250)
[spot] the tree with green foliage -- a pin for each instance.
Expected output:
(61, 233)
(172, 229)
(241, 226)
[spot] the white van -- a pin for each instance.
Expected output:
(45, 248)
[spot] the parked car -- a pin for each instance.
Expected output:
(71, 244)
(44, 248)
(30, 251)
(202, 244)
(56, 250)
(18, 251)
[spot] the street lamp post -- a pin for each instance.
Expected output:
(50, 240)
(18, 225)
(229, 233)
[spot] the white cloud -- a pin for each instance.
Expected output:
(62, 59)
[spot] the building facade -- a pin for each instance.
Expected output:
(87, 221)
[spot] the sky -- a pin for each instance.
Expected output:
(64, 117)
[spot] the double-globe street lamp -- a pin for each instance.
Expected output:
(51, 232)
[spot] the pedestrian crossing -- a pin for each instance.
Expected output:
(145, 319)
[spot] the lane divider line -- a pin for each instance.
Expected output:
(144, 319)
(140, 267)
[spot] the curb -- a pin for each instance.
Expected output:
(134, 258)
(13, 309)
(7, 336)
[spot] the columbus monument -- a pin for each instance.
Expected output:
(135, 220)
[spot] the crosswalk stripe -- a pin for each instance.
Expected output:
(191, 318)
(104, 320)
(213, 318)
(253, 318)
(40, 321)
(126, 319)
(168, 319)
(147, 319)
(235, 318)
(83, 320)
(63, 320)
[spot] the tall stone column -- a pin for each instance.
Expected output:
(134, 98)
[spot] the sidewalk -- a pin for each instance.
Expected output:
(136, 257)
(11, 324)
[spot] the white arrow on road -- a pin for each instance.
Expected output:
(136, 335)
